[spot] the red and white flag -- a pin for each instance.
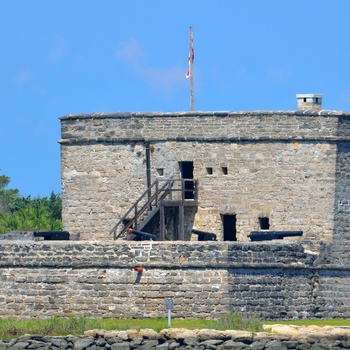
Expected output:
(190, 60)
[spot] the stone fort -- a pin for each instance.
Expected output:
(242, 172)
(226, 173)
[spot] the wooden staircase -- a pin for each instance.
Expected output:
(150, 206)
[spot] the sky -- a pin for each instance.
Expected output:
(62, 57)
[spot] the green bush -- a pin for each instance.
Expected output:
(236, 320)
(18, 213)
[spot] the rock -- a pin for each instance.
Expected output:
(162, 346)
(3, 346)
(120, 346)
(275, 345)
(191, 341)
(148, 344)
(310, 334)
(12, 342)
(247, 337)
(266, 337)
(20, 345)
(83, 343)
(35, 344)
(291, 344)
(92, 347)
(319, 347)
(111, 334)
(101, 342)
(212, 342)
(288, 337)
(210, 334)
(173, 345)
(95, 333)
(124, 335)
(114, 340)
(259, 345)
(133, 334)
(231, 344)
(148, 333)
(136, 342)
(27, 337)
(178, 333)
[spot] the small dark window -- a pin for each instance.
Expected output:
(209, 170)
(316, 99)
(160, 171)
(224, 170)
(304, 99)
(229, 227)
(264, 223)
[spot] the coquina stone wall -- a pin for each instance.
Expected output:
(205, 279)
(289, 166)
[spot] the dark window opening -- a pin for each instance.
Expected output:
(229, 227)
(186, 170)
(264, 223)
(224, 170)
(304, 99)
(160, 171)
(209, 170)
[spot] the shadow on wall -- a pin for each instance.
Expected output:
(265, 285)
(172, 223)
(341, 235)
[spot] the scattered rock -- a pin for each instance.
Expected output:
(282, 338)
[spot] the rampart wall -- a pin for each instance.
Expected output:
(205, 280)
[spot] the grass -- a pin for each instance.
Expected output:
(11, 328)
(237, 320)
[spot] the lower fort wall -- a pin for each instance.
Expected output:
(205, 280)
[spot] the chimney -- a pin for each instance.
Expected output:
(311, 102)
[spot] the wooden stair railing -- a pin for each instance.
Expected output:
(152, 201)
(156, 194)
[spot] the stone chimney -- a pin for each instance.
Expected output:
(309, 102)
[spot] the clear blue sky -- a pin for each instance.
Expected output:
(82, 56)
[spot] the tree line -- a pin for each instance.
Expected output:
(19, 213)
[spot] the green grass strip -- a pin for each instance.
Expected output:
(11, 328)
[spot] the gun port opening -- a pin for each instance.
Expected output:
(264, 223)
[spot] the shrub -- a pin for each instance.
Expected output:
(236, 320)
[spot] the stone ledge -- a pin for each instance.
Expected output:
(264, 139)
(127, 115)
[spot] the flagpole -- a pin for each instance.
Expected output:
(191, 71)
